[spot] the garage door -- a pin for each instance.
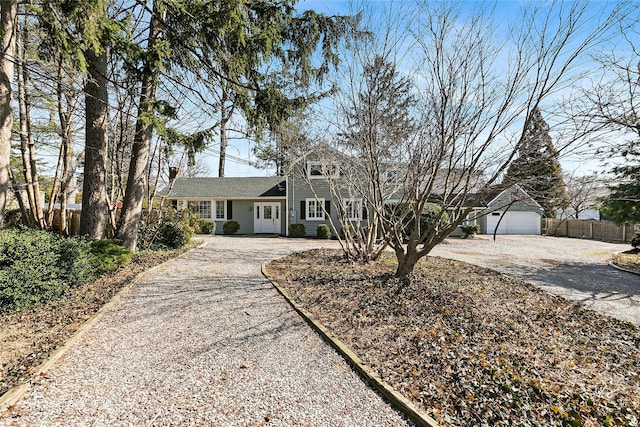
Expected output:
(514, 223)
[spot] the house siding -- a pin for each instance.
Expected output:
(301, 192)
(241, 211)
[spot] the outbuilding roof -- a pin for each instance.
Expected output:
(226, 188)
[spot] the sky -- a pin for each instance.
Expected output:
(507, 12)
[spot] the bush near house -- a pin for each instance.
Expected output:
(431, 216)
(635, 242)
(171, 229)
(469, 230)
(230, 227)
(206, 227)
(297, 230)
(323, 231)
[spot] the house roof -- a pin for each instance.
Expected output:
(226, 188)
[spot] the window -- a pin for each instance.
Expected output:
(221, 209)
(317, 170)
(392, 177)
(353, 208)
(201, 209)
(314, 209)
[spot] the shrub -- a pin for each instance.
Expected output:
(323, 231)
(635, 242)
(432, 216)
(230, 227)
(347, 228)
(469, 230)
(297, 230)
(37, 266)
(206, 227)
(172, 229)
(108, 255)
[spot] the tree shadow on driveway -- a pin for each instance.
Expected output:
(597, 286)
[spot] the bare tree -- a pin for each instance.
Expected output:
(614, 106)
(477, 97)
(584, 192)
(27, 138)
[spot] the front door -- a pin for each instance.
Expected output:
(266, 217)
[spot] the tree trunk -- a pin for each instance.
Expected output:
(95, 211)
(407, 259)
(223, 145)
(406, 262)
(26, 133)
(224, 118)
(8, 14)
(136, 179)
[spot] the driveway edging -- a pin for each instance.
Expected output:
(14, 394)
(617, 267)
(398, 401)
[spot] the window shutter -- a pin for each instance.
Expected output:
(303, 209)
(327, 206)
(365, 213)
(229, 209)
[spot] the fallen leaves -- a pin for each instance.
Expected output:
(472, 346)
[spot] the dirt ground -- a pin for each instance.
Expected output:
(471, 346)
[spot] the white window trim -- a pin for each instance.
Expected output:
(214, 210)
(200, 202)
(317, 202)
(358, 212)
(323, 169)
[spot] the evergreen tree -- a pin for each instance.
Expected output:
(623, 204)
(537, 169)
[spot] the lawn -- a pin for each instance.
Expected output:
(473, 347)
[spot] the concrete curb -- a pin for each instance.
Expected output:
(13, 396)
(400, 402)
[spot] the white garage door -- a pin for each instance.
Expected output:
(514, 223)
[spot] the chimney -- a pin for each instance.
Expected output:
(174, 172)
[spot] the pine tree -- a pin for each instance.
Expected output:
(537, 169)
(623, 204)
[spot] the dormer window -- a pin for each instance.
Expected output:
(319, 170)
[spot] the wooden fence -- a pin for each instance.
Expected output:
(605, 231)
(73, 221)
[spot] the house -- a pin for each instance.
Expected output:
(307, 197)
(512, 210)
(257, 204)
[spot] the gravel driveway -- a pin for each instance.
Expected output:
(573, 268)
(205, 340)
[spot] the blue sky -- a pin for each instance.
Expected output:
(507, 13)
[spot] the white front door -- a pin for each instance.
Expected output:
(266, 217)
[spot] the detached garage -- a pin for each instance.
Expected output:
(513, 222)
(520, 213)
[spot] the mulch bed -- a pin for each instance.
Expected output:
(473, 347)
(30, 336)
(629, 260)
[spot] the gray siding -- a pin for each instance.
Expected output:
(242, 212)
(298, 191)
